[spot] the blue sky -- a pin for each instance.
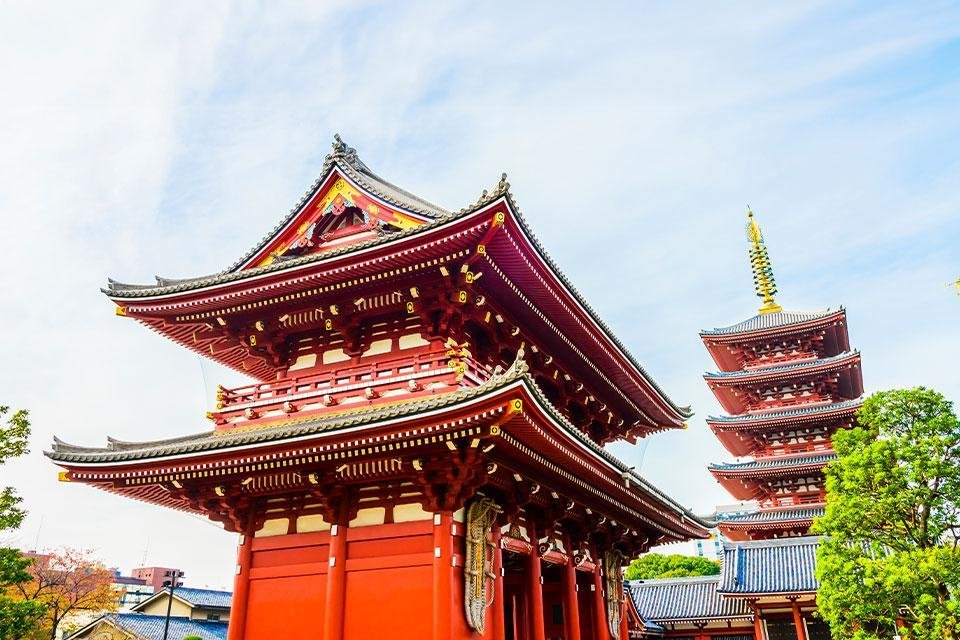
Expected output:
(166, 138)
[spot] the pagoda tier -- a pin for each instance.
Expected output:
(770, 338)
(777, 481)
(793, 384)
(422, 437)
(477, 277)
(769, 523)
(804, 429)
(788, 380)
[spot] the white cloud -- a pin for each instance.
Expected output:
(167, 138)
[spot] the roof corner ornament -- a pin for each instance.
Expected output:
(763, 281)
(342, 150)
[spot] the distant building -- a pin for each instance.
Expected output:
(197, 604)
(200, 612)
(132, 591)
(158, 577)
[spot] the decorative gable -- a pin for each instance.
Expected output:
(340, 213)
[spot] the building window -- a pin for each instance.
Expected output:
(213, 616)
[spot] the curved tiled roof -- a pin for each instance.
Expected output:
(205, 597)
(775, 320)
(211, 440)
(784, 368)
(684, 599)
(120, 291)
(145, 626)
(767, 516)
(797, 412)
(775, 463)
(784, 565)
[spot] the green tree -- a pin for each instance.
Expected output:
(890, 564)
(17, 618)
(655, 565)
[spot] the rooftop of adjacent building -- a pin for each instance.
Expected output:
(150, 627)
(780, 567)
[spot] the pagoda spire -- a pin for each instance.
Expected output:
(763, 281)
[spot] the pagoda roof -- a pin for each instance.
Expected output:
(175, 450)
(157, 305)
(786, 369)
(694, 599)
(764, 322)
(751, 420)
(770, 516)
(754, 467)
(770, 567)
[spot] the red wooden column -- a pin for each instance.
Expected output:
(442, 574)
(535, 585)
(624, 624)
(497, 615)
(336, 577)
(571, 607)
(241, 589)
(757, 624)
(798, 622)
(600, 630)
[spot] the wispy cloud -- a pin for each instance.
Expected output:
(168, 138)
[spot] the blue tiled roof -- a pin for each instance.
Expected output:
(150, 627)
(778, 515)
(205, 597)
(774, 463)
(784, 565)
(676, 599)
(765, 321)
(784, 368)
(788, 413)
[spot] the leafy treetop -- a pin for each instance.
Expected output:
(655, 565)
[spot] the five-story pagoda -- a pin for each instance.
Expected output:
(788, 380)
(419, 453)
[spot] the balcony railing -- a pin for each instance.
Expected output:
(414, 373)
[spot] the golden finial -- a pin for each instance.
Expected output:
(763, 280)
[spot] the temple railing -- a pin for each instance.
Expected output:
(410, 374)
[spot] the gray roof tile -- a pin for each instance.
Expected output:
(784, 565)
(690, 599)
(771, 515)
(775, 463)
(150, 627)
(775, 320)
(802, 411)
(784, 368)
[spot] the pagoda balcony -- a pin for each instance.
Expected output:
(353, 386)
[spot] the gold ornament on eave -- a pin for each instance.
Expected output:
(763, 281)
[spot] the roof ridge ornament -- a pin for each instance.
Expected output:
(342, 150)
(764, 282)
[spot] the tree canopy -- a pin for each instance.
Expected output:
(17, 617)
(655, 565)
(890, 564)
